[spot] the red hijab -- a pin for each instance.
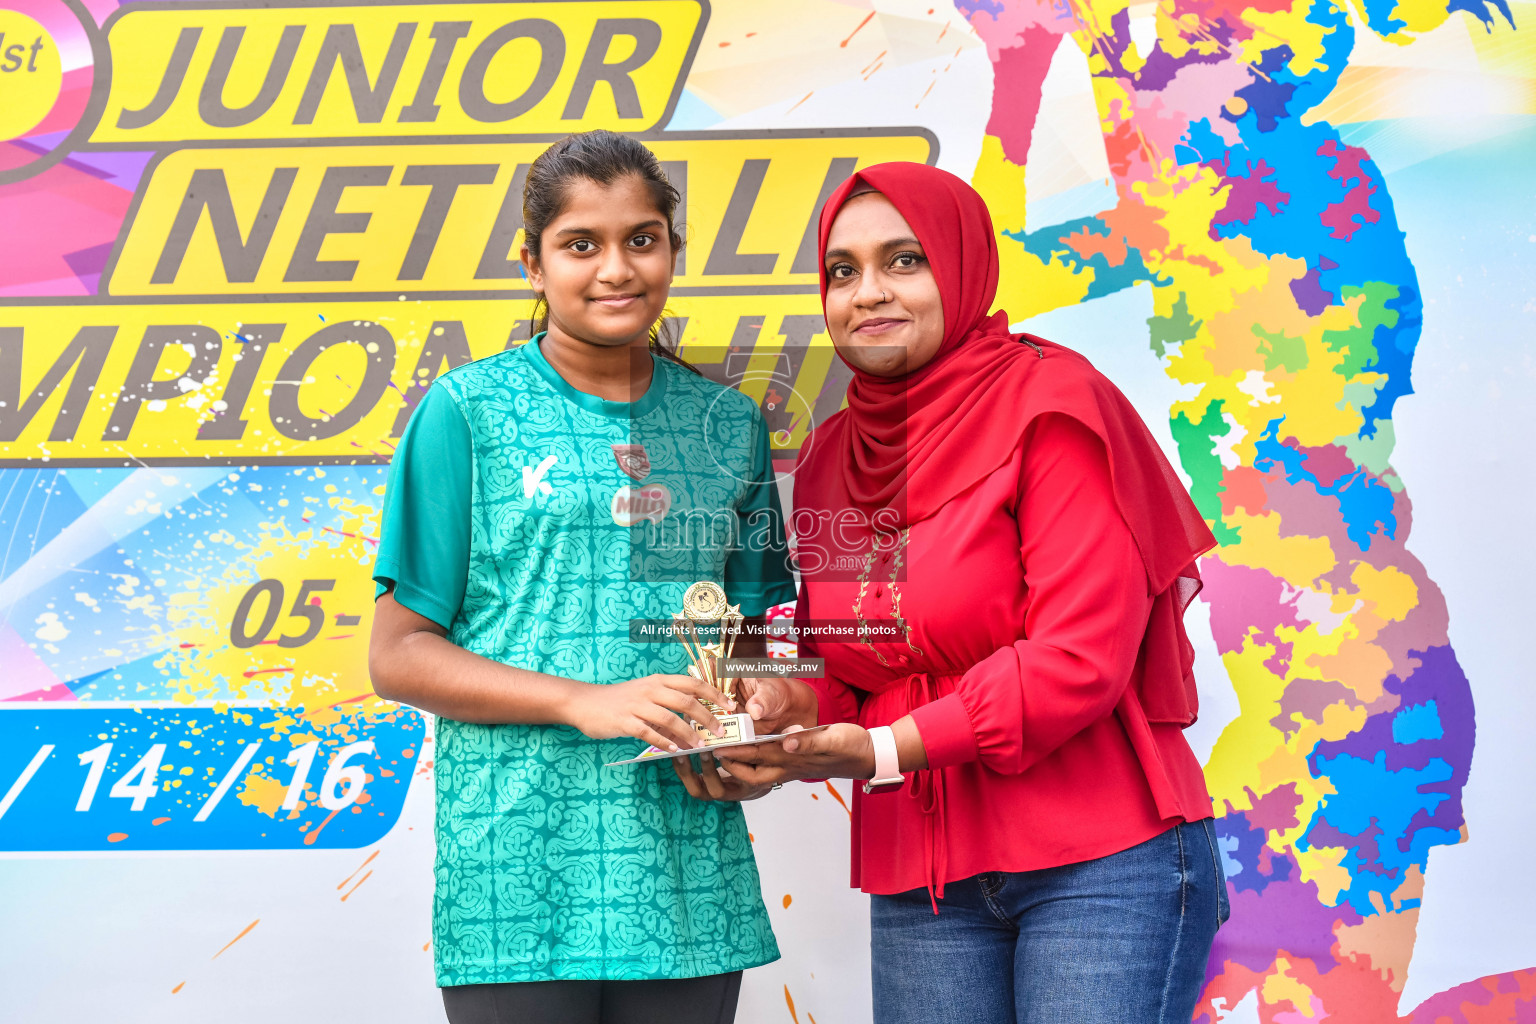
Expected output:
(913, 443)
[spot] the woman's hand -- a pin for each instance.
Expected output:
(776, 703)
(840, 751)
(710, 784)
(646, 709)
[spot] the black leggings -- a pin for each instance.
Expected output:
(707, 1000)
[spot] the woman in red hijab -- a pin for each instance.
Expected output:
(1016, 554)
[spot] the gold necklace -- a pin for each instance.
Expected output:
(898, 547)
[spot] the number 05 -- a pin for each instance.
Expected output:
(314, 618)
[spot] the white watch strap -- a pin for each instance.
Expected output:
(887, 762)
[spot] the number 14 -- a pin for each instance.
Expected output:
(146, 771)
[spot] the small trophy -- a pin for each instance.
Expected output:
(703, 604)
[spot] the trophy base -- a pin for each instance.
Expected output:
(734, 729)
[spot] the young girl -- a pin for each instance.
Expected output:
(531, 514)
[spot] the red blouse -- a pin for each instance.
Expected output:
(1027, 604)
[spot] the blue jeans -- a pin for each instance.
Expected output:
(1119, 940)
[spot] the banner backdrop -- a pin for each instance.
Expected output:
(240, 238)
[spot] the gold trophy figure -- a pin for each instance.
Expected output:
(704, 603)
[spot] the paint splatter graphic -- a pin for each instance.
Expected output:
(1288, 309)
(190, 645)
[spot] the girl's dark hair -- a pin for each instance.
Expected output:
(602, 157)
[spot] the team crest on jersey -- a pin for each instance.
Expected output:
(634, 505)
(633, 460)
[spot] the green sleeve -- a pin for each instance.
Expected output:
(757, 573)
(424, 531)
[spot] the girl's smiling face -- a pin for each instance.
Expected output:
(606, 263)
(883, 307)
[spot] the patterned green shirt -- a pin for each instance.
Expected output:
(504, 522)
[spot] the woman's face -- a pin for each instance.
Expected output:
(883, 307)
(606, 263)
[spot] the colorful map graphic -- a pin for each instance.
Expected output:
(1287, 306)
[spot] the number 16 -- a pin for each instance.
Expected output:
(338, 772)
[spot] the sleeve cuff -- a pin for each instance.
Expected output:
(834, 703)
(418, 601)
(385, 575)
(945, 727)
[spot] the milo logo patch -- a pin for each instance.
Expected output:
(632, 505)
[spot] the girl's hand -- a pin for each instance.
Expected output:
(709, 784)
(776, 703)
(842, 751)
(646, 709)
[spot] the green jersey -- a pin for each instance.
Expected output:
(534, 522)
